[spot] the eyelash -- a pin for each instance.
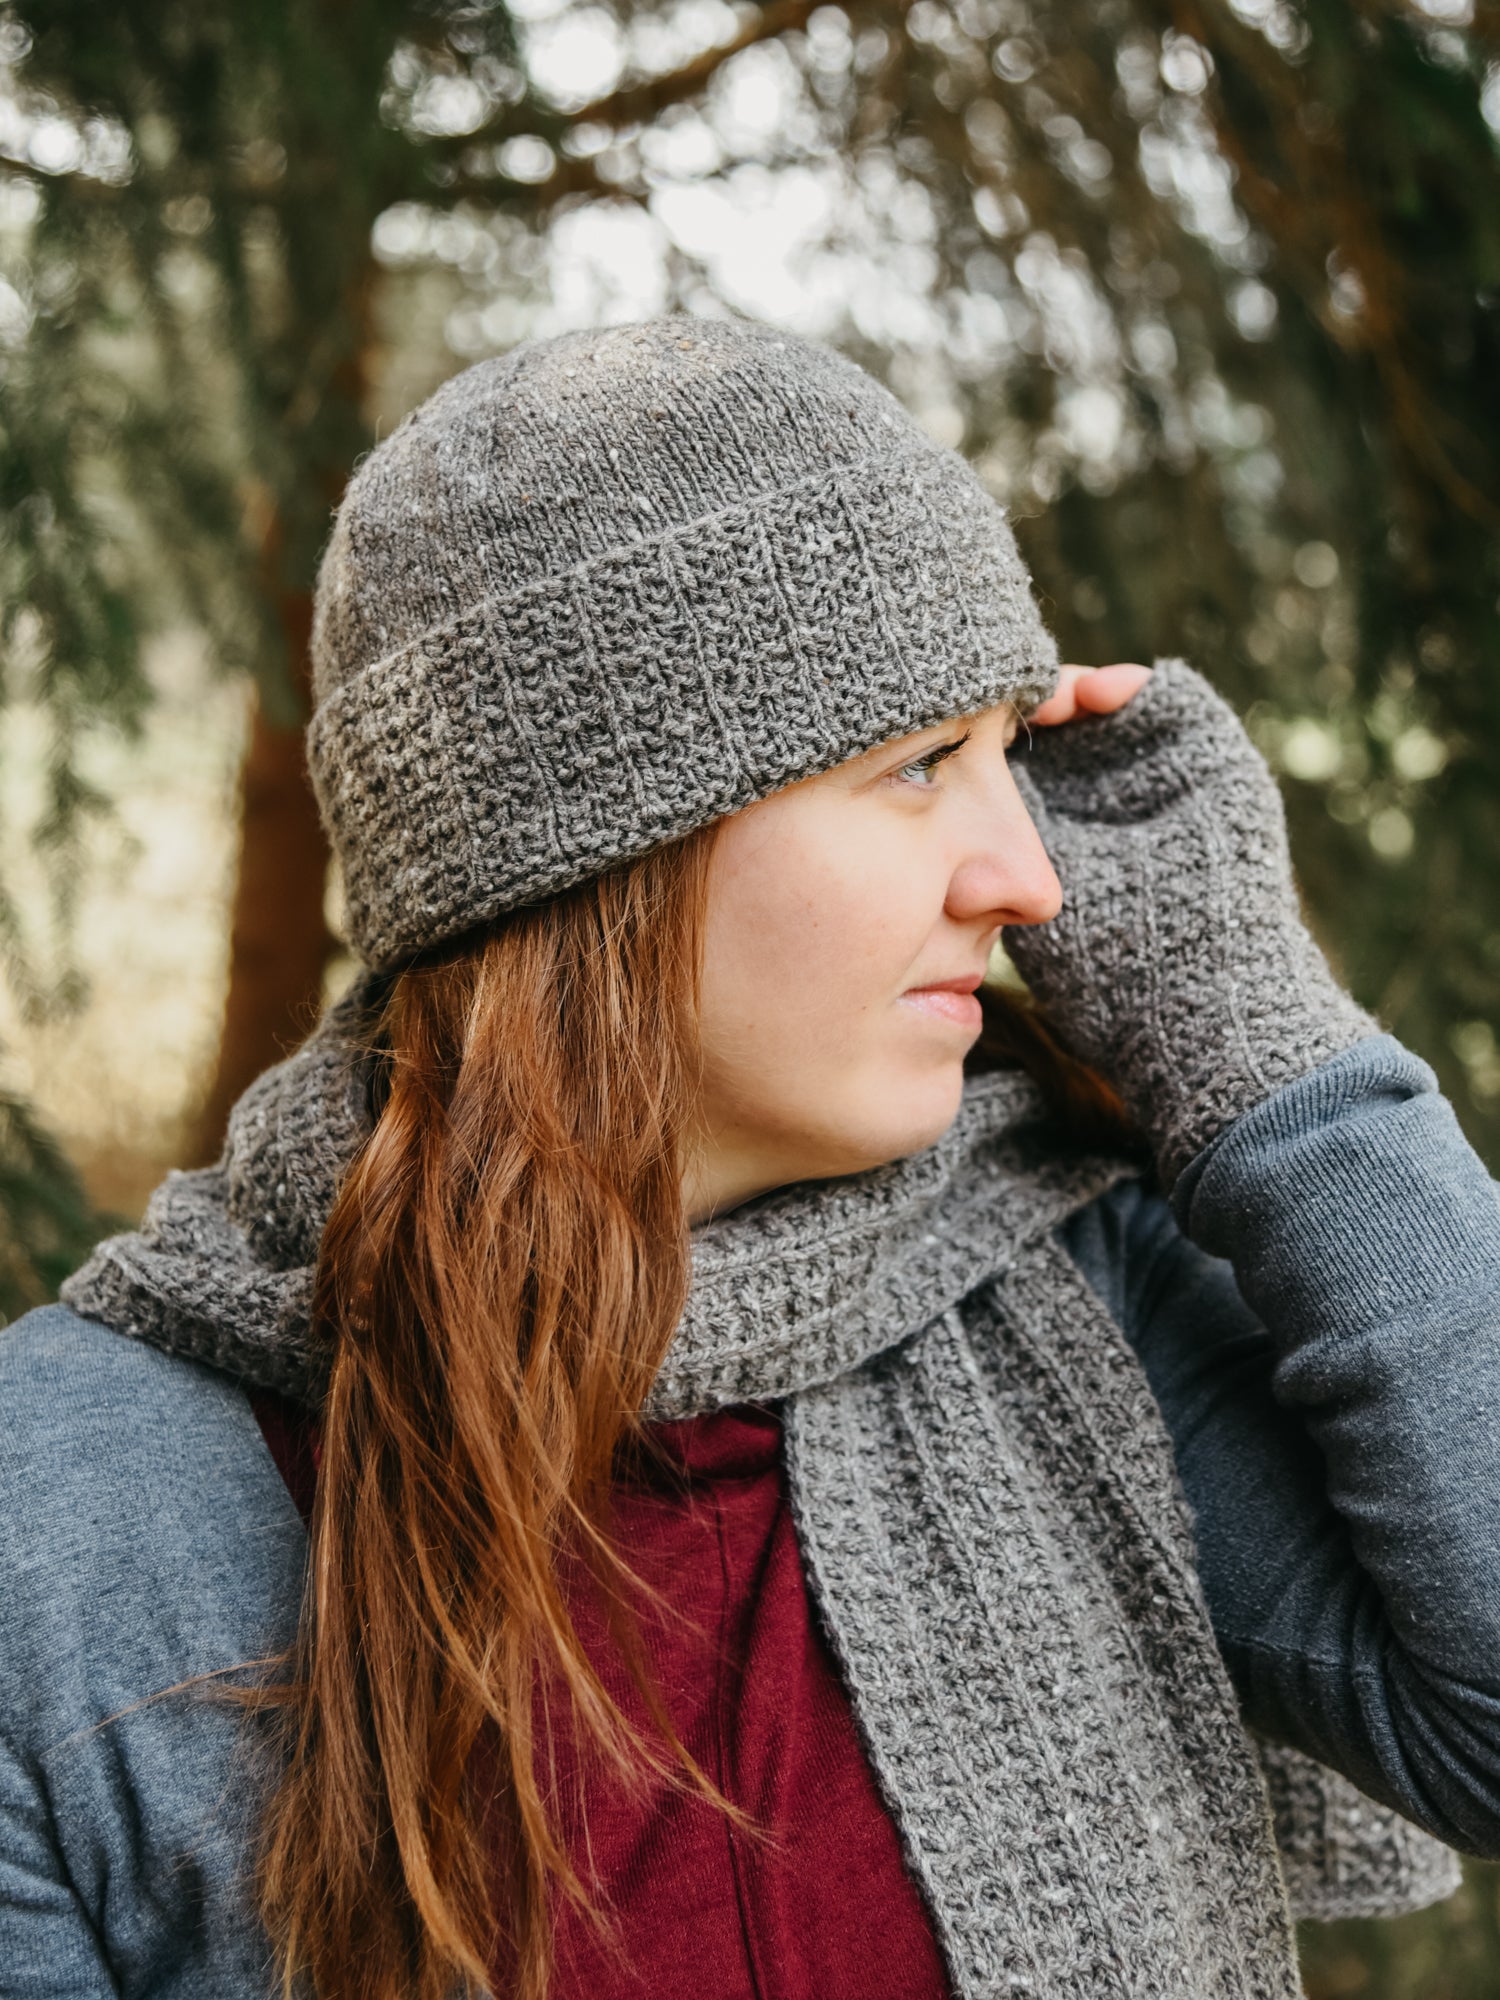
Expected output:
(930, 759)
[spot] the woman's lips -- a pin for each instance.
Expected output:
(962, 1008)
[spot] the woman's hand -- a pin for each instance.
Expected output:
(1179, 965)
(1090, 691)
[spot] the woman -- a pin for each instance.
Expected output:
(798, 1501)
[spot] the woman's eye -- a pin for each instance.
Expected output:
(920, 770)
(927, 763)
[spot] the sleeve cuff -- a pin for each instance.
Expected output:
(1348, 1195)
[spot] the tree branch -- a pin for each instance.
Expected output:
(639, 103)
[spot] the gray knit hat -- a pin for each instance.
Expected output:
(607, 587)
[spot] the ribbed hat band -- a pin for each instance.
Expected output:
(600, 591)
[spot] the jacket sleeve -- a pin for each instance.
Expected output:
(48, 1949)
(1320, 1322)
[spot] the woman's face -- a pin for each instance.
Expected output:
(850, 919)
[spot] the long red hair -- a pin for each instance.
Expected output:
(499, 1279)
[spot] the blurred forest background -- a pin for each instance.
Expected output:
(1209, 292)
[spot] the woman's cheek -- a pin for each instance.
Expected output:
(824, 914)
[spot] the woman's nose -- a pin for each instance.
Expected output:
(1007, 877)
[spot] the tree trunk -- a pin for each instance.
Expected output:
(279, 941)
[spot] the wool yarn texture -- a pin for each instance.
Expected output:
(1179, 963)
(987, 1507)
(600, 590)
(593, 595)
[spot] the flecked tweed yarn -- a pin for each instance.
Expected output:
(609, 586)
(1166, 827)
(988, 1511)
(593, 595)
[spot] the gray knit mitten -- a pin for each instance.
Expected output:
(1180, 965)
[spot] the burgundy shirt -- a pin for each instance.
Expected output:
(822, 1909)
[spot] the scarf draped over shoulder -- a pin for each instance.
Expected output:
(987, 1506)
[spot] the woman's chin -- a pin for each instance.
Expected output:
(912, 1114)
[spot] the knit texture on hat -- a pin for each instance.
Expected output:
(608, 587)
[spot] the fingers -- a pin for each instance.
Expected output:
(1101, 690)
(1090, 691)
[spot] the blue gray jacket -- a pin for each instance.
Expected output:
(1319, 1318)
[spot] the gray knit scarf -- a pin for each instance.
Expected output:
(988, 1511)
